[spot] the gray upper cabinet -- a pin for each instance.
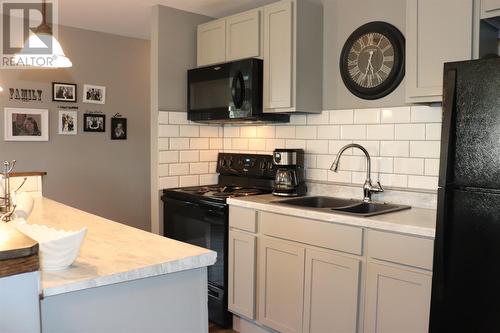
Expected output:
(211, 42)
(293, 56)
(243, 35)
(490, 8)
(436, 32)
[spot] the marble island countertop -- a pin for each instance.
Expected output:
(112, 252)
(414, 221)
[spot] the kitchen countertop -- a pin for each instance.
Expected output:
(18, 252)
(112, 252)
(414, 221)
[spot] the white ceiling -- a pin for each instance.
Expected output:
(132, 17)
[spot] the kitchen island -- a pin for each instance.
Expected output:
(124, 280)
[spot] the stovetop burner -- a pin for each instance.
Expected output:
(222, 191)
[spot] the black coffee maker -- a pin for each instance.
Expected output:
(289, 181)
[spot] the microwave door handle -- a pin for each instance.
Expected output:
(238, 90)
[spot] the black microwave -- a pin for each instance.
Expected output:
(229, 92)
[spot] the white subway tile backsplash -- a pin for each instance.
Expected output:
(179, 118)
(163, 144)
(395, 148)
(380, 132)
(248, 131)
(162, 117)
(318, 119)
(329, 132)
(433, 131)
(208, 179)
(168, 157)
(266, 132)
(402, 141)
(395, 115)
(423, 182)
(432, 167)
(317, 146)
(189, 181)
(209, 132)
(409, 166)
(168, 182)
(353, 132)
(285, 132)
(306, 132)
(409, 132)
(189, 156)
(179, 143)
(168, 131)
(257, 144)
(295, 144)
(190, 131)
(425, 149)
(199, 143)
(342, 117)
(198, 168)
(179, 169)
(208, 155)
(426, 114)
(367, 116)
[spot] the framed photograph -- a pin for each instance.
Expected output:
(68, 122)
(118, 128)
(94, 94)
(26, 124)
(63, 92)
(93, 122)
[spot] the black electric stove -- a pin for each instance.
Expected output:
(199, 215)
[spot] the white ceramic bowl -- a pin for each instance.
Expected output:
(58, 248)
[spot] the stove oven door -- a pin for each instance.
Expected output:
(203, 224)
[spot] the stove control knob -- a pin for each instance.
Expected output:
(263, 165)
(229, 163)
(222, 163)
(270, 165)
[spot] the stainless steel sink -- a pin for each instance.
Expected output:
(343, 206)
(318, 202)
(370, 208)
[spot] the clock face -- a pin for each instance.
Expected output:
(372, 60)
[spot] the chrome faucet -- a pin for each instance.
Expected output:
(368, 187)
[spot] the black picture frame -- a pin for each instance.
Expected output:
(94, 122)
(397, 74)
(116, 133)
(56, 85)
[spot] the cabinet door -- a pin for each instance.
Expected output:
(281, 285)
(490, 8)
(242, 273)
(436, 32)
(211, 42)
(331, 293)
(397, 300)
(278, 55)
(243, 36)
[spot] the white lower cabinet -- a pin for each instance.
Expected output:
(281, 285)
(331, 292)
(242, 273)
(397, 300)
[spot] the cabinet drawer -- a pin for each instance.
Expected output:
(242, 218)
(322, 234)
(402, 249)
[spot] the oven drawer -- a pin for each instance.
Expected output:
(323, 234)
(243, 218)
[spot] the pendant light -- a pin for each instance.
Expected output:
(41, 38)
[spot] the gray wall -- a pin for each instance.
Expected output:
(341, 18)
(89, 171)
(176, 54)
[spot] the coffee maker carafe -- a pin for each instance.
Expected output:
(289, 179)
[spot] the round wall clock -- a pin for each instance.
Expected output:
(372, 62)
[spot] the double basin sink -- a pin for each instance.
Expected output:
(343, 206)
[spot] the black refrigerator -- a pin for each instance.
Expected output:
(466, 271)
